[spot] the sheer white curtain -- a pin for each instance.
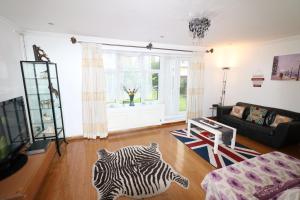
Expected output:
(195, 86)
(146, 79)
(170, 96)
(93, 92)
(132, 70)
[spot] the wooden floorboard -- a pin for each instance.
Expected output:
(70, 176)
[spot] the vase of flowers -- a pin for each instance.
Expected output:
(131, 93)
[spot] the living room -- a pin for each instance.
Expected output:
(147, 94)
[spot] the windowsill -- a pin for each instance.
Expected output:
(119, 105)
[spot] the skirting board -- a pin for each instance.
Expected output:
(80, 137)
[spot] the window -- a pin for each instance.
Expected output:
(111, 77)
(158, 78)
(183, 85)
(175, 86)
(130, 76)
(155, 67)
(154, 86)
(131, 70)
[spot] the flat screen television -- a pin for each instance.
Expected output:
(14, 134)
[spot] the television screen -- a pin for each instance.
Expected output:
(13, 127)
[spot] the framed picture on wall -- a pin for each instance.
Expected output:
(286, 67)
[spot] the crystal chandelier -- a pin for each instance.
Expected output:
(198, 27)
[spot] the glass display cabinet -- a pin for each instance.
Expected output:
(43, 101)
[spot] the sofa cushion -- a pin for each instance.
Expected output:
(257, 115)
(246, 112)
(270, 118)
(295, 116)
(280, 119)
(237, 111)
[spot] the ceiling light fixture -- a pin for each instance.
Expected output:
(198, 27)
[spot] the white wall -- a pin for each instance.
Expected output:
(68, 58)
(246, 60)
(11, 84)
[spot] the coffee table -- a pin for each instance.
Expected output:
(216, 131)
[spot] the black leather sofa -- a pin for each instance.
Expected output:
(283, 134)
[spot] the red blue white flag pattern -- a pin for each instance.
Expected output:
(202, 142)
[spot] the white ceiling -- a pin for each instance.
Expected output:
(146, 20)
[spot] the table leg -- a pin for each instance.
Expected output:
(189, 129)
(216, 143)
(232, 146)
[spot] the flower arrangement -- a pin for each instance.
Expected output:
(131, 94)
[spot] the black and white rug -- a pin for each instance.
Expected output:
(133, 171)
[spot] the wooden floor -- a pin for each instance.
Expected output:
(70, 176)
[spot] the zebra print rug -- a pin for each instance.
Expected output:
(133, 171)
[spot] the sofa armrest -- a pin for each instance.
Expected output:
(223, 110)
(287, 132)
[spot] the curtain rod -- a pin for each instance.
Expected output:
(149, 46)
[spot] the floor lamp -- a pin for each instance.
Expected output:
(225, 69)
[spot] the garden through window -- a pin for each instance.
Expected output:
(183, 85)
